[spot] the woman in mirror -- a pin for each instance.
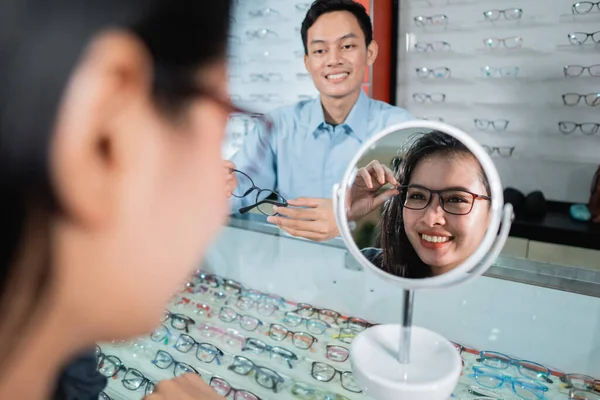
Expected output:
(436, 206)
(112, 116)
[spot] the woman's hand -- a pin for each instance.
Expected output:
(363, 194)
(188, 386)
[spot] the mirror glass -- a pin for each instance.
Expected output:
(418, 203)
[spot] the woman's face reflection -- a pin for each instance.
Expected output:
(449, 239)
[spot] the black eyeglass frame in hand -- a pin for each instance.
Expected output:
(258, 202)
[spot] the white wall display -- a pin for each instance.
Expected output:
(522, 76)
(266, 61)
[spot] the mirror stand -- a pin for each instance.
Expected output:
(407, 311)
(422, 365)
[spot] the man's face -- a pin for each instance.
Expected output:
(337, 54)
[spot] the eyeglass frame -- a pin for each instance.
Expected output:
(588, 35)
(120, 366)
(518, 41)
(420, 20)
(573, 9)
(491, 123)
(257, 203)
(313, 321)
(441, 201)
(503, 12)
(566, 378)
(292, 334)
(257, 368)
(578, 125)
(187, 320)
(584, 96)
(201, 345)
(174, 363)
(429, 96)
(231, 388)
(516, 363)
(262, 347)
(506, 379)
(496, 149)
(251, 303)
(583, 68)
(238, 318)
(423, 47)
(342, 374)
(332, 346)
(424, 72)
(310, 308)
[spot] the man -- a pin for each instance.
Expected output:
(311, 143)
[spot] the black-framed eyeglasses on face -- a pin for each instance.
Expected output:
(452, 201)
(265, 198)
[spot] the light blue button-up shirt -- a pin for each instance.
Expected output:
(302, 155)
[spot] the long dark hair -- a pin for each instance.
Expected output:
(41, 42)
(398, 257)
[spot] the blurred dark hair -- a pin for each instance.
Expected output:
(398, 257)
(41, 42)
(320, 7)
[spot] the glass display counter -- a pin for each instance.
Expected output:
(270, 316)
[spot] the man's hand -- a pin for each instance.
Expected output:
(185, 387)
(363, 197)
(231, 181)
(315, 222)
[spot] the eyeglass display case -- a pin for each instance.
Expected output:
(272, 316)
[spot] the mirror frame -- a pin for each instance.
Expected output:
(498, 212)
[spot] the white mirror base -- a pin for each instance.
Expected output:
(431, 374)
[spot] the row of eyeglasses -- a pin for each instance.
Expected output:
(490, 15)
(207, 352)
(505, 72)
(531, 385)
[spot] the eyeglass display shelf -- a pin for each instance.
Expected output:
(589, 18)
(429, 4)
(428, 55)
(140, 356)
(584, 48)
(440, 81)
(509, 53)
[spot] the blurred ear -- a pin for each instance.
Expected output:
(106, 93)
(372, 51)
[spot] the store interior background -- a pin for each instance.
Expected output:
(267, 71)
(553, 327)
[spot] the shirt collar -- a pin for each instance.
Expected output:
(356, 119)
